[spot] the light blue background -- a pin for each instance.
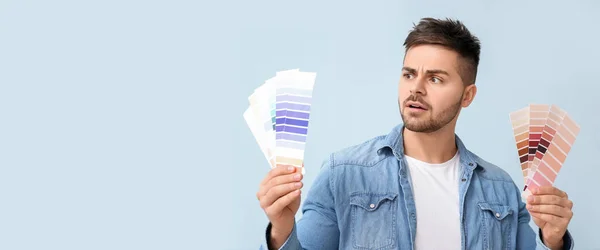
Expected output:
(121, 121)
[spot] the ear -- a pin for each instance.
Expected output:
(469, 95)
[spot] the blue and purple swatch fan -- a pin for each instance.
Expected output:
(279, 114)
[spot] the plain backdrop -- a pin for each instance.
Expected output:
(121, 121)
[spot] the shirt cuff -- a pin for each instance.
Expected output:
(291, 243)
(568, 242)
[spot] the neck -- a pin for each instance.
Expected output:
(436, 147)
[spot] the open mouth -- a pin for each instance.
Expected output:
(416, 105)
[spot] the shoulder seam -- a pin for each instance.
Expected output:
(333, 162)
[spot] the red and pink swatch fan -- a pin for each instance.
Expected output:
(544, 135)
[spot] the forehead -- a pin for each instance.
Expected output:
(426, 57)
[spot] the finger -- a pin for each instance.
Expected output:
(278, 176)
(277, 171)
(279, 180)
(551, 209)
(277, 192)
(549, 190)
(274, 172)
(549, 200)
(282, 202)
(283, 179)
(551, 219)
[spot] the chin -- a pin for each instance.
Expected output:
(420, 125)
(421, 128)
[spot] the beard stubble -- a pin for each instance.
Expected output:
(431, 123)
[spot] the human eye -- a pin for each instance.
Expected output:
(408, 75)
(436, 80)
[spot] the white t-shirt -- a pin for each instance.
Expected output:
(435, 188)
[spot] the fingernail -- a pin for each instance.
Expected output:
(298, 184)
(530, 199)
(297, 177)
(291, 169)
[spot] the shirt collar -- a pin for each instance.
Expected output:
(394, 142)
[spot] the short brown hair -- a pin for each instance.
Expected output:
(451, 34)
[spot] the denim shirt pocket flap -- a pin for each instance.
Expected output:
(498, 211)
(371, 201)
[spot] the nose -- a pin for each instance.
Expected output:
(418, 87)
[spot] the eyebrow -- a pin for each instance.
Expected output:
(431, 71)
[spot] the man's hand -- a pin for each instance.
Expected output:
(550, 208)
(279, 196)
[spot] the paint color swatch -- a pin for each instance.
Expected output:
(553, 132)
(259, 134)
(259, 112)
(520, 124)
(556, 154)
(555, 117)
(538, 115)
(537, 122)
(293, 99)
(279, 114)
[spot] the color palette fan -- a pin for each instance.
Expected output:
(544, 135)
(279, 114)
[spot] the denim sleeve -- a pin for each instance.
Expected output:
(568, 242)
(317, 228)
(291, 243)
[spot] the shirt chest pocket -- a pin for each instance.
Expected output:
(373, 220)
(496, 225)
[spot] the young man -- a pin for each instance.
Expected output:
(417, 187)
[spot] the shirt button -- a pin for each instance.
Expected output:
(497, 215)
(372, 206)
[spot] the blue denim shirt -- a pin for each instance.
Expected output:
(362, 199)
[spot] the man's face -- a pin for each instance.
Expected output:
(431, 91)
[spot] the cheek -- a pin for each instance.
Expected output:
(441, 102)
(403, 92)
(402, 96)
